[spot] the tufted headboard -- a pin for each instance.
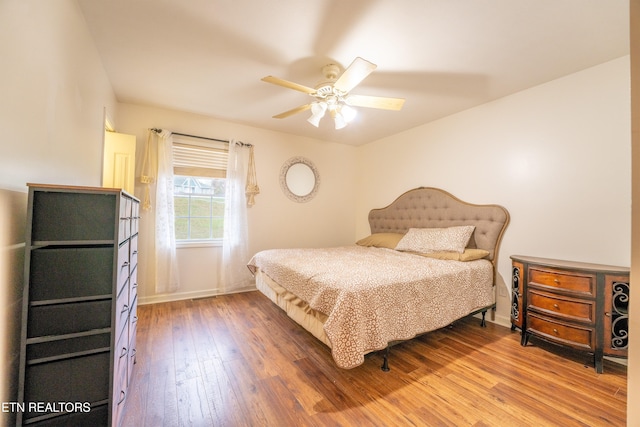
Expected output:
(427, 207)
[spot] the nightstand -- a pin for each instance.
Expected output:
(580, 305)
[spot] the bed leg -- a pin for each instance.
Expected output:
(385, 360)
(483, 322)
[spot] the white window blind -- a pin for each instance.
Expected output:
(200, 160)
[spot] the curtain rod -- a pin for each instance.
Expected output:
(244, 144)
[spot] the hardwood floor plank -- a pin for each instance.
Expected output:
(283, 402)
(193, 409)
(160, 335)
(251, 396)
(162, 402)
(223, 404)
(238, 360)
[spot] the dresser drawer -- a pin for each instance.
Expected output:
(124, 230)
(132, 355)
(133, 317)
(71, 318)
(77, 379)
(133, 285)
(70, 272)
(122, 312)
(135, 217)
(119, 389)
(133, 248)
(581, 284)
(121, 353)
(581, 337)
(123, 266)
(571, 309)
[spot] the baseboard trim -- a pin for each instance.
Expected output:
(501, 320)
(180, 296)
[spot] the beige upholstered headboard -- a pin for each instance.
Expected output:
(427, 207)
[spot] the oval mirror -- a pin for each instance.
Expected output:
(299, 179)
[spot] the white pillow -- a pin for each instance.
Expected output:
(425, 240)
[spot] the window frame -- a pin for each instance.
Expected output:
(185, 167)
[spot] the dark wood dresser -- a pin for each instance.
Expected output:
(79, 306)
(580, 305)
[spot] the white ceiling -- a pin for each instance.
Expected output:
(443, 56)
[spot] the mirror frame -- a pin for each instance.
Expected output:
(283, 179)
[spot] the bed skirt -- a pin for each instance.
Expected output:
(298, 310)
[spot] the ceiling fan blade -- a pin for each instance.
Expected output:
(288, 84)
(354, 74)
(375, 102)
(296, 110)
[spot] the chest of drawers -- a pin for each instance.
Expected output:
(78, 340)
(580, 305)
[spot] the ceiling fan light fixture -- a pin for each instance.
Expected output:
(339, 121)
(349, 113)
(317, 113)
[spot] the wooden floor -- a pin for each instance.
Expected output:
(238, 360)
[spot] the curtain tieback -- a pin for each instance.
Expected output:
(145, 176)
(251, 189)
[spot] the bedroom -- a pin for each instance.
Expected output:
(544, 147)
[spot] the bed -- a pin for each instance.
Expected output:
(430, 260)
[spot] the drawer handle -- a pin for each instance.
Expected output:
(607, 314)
(124, 264)
(122, 395)
(125, 308)
(135, 252)
(555, 331)
(556, 306)
(556, 280)
(134, 285)
(124, 352)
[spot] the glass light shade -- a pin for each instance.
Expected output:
(317, 113)
(349, 113)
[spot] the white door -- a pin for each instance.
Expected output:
(119, 165)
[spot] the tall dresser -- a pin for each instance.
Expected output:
(79, 306)
(580, 305)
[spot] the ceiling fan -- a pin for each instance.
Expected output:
(332, 94)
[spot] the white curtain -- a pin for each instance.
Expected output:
(235, 251)
(165, 262)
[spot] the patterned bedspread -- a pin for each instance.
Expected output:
(373, 296)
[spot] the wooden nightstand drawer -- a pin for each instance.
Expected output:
(582, 337)
(582, 284)
(571, 309)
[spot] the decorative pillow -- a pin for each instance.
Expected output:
(381, 240)
(468, 255)
(425, 240)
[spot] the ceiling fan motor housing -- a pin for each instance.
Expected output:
(325, 89)
(330, 71)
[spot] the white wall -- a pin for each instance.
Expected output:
(54, 94)
(557, 156)
(274, 221)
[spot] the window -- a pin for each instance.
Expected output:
(199, 207)
(198, 190)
